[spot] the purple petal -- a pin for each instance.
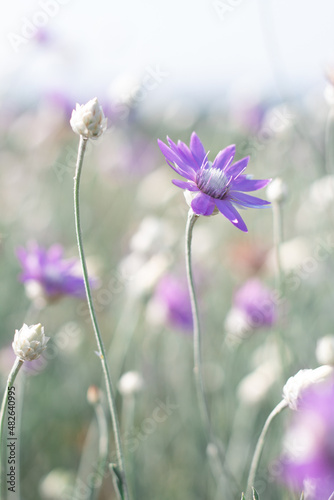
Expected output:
(186, 154)
(197, 148)
(224, 158)
(203, 204)
(244, 184)
(237, 168)
(228, 210)
(180, 167)
(191, 186)
(247, 200)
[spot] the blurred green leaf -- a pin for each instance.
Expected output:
(255, 494)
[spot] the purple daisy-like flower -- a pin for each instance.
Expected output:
(309, 458)
(220, 184)
(257, 303)
(48, 269)
(171, 302)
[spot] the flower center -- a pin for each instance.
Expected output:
(212, 181)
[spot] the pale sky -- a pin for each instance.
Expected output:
(188, 47)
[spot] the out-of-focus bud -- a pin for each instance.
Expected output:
(94, 395)
(88, 119)
(294, 388)
(325, 350)
(277, 191)
(130, 383)
(29, 342)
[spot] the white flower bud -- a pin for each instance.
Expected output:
(88, 119)
(130, 383)
(296, 385)
(325, 350)
(277, 191)
(190, 195)
(29, 342)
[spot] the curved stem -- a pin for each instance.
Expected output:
(11, 378)
(102, 356)
(259, 446)
(196, 329)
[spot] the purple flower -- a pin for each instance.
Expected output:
(309, 458)
(171, 304)
(218, 185)
(256, 302)
(48, 270)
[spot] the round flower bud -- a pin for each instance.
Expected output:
(190, 195)
(88, 119)
(296, 385)
(325, 350)
(130, 383)
(29, 342)
(277, 191)
(94, 395)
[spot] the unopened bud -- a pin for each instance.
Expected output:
(294, 388)
(88, 119)
(29, 342)
(277, 191)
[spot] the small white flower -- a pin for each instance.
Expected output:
(130, 383)
(88, 119)
(325, 350)
(277, 191)
(296, 385)
(29, 342)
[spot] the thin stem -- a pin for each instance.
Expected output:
(103, 447)
(11, 378)
(278, 239)
(105, 369)
(196, 330)
(217, 455)
(259, 446)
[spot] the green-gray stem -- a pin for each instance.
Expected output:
(259, 447)
(196, 329)
(216, 454)
(11, 379)
(105, 369)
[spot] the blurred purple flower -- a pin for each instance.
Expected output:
(309, 458)
(218, 185)
(48, 269)
(171, 304)
(256, 302)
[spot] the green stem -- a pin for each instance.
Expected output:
(11, 378)
(217, 455)
(259, 447)
(102, 356)
(103, 447)
(203, 406)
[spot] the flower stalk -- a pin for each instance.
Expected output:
(11, 379)
(259, 447)
(102, 356)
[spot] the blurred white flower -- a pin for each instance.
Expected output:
(88, 119)
(254, 387)
(296, 385)
(130, 383)
(277, 191)
(325, 350)
(29, 342)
